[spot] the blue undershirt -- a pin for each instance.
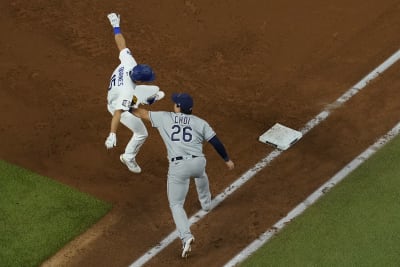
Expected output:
(219, 147)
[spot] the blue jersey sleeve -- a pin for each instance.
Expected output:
(219, 147)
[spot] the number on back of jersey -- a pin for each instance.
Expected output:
(112, 82)
(181, 133)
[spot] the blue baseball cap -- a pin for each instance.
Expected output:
(143, 73)
(184, 101)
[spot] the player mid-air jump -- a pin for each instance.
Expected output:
(123, 94)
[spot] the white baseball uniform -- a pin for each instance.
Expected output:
(120, 95)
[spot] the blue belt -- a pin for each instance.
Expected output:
(181, 158)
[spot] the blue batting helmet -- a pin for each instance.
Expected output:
(142, 72)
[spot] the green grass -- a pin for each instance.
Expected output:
(38, 216)
(357, 223)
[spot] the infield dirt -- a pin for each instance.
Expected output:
(247, 64)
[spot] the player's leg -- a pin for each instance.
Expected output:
(139, 131)
(177, 189)
(202, 183)
(138, 138)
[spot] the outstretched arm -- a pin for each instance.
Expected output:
(219, 147)
(119, 38)
(141, 113)
(120, 41)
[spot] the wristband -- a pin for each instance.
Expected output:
(117, 30)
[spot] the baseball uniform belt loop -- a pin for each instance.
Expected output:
(183, 157)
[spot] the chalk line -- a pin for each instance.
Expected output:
(270, 157)
(299, 209)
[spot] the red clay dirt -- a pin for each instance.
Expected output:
(247, 64)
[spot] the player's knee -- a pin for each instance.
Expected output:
(140, 137)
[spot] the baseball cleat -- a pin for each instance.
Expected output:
(187, 247)
(160, 95)
(131, 164)
(206, 207)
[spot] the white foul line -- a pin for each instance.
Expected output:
(270, 157)
(338, 177)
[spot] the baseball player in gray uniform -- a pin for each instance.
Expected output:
(121, 97)
(184, 135)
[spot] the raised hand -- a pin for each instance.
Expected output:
(114, 19)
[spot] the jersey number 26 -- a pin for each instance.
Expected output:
(181, 133)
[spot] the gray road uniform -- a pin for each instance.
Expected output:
(184, 136)
(120, 94)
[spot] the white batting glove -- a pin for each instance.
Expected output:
(114, 19)
(111, 141)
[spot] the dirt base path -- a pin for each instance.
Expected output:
(248, 66)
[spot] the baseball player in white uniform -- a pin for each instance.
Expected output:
(121, 98)
(184, 135)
